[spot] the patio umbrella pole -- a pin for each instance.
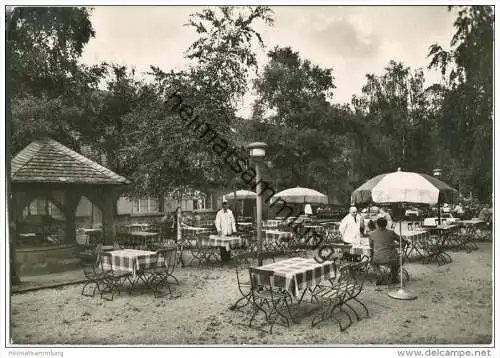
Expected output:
(401, 294)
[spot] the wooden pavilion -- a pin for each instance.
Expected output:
(47, 169)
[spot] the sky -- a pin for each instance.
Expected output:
(352, 40)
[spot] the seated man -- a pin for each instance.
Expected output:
(383, 243)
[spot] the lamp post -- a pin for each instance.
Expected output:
(437, 173)
(258, 151)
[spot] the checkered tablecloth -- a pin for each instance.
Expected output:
(129, 260)
(228, 242)
(298, 273)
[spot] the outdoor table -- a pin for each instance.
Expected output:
(330, 231)
(274, 239)
(130, 260)
(298, 274)
(245, 224)
(330, 223)
(277, 235)
(244, 227)
(440, 240)
(192, 233)
(472, 222)
(416, 239)
(28, 235)
(136, 227)
(226, 243)
(143, 237)
(190, 238)
(195, 231)
(271, 223)
(474, 228)
(314, 228)
(28, 238)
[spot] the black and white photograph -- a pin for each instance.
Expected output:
(249, 175)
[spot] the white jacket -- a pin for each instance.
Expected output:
(350, 229)
(224, 222)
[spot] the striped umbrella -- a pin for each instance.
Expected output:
(404, 187)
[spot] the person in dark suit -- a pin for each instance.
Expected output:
(383, 244)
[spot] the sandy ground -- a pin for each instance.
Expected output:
(454, 306)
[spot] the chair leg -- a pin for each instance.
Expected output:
(363, 305)
(353, 310)
(257, 308)
(175, 278)
(278, 311)
(315, 322)
(83, 289)
(331, 315)
(350, 319)
(245, 297)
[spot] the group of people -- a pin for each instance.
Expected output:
(383, 241)
(354, 226)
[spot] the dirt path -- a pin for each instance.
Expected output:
(454, 306)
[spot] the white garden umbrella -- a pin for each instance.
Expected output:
(403, 187)
(240, 195)
(300, 196)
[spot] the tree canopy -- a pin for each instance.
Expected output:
(395, 122)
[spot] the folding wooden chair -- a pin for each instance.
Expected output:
(332, 296)
(159, 273)
(268, 299)
(242, 263)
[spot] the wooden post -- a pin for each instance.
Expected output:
(179, 223)
(235, 207)
(12, 215)
(71, 200)
(108, 216)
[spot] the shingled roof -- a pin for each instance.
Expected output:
(48, 161)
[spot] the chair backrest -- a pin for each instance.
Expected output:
(167, 258)
(260, 278)
(123, 239)
(357, 276)
(102, 258)
(81, 237)
(342, 285)
(89, 263)
(154, 227)
(242, 263)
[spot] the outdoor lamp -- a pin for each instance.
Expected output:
(437, 173)
(257, 149)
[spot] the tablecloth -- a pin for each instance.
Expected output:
(297, 273)
(228, 242)
(130, 260)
